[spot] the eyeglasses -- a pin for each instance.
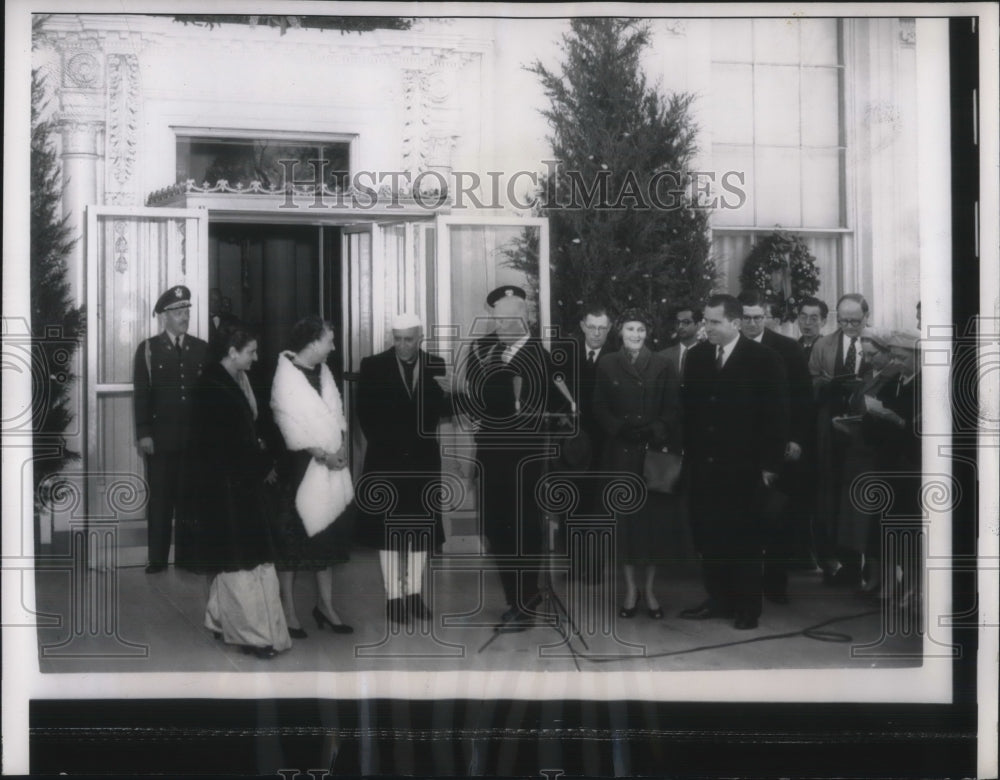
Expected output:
(851, 323)
(758, 318)
(809, 317)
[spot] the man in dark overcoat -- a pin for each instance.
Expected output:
(399, 408)
(782, 530)
(735, 428)
(508, 389)
(165, 371)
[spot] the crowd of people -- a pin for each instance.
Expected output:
(771, 434)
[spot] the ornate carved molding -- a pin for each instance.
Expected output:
(908, 32)
(78, 137)
(82, 70)
(123, 114)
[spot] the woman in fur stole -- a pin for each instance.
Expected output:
(308, 412)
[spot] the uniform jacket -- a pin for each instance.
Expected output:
(230, 466)
(163, 390)
(642, 393)
(735, 419)
(801, 408)
(492, 385)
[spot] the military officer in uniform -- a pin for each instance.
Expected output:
(509, 387)
(166, 369)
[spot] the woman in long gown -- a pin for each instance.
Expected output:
(244, 607)
(636, 402)
(313, 534)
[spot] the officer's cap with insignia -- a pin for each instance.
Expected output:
(177, 297)
(506, 291)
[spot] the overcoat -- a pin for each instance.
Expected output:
(230, 468)
(402, 447)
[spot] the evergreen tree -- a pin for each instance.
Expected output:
(56, 324)
(624, 229)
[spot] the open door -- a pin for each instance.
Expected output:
(133, 254)
(478, 254)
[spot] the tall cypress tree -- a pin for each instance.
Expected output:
(56, 324)
(624, 228)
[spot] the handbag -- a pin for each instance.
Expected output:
(661, 470)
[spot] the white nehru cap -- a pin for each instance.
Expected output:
(406, 321)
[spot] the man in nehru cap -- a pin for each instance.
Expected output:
(508, 388)
(166, 369)
(399, 410)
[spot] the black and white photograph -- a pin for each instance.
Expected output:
(500, 389)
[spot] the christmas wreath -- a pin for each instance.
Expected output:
(781, 266)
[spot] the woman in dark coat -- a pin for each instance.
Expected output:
(636, 402)
(244, 607)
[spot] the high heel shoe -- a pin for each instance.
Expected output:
(629, 612)
(297, 633)
(323, 620)
(655, 614)
(264, 653)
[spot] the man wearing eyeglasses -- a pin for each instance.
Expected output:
(687, 321)
(836, 364)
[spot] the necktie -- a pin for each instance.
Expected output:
(408, 374)
(850, 362)
(680, 363)
(718, 358)
(590, 357)
(180, 354)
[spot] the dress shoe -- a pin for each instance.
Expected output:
(322, 620)
(297, 633)
(395, 610)
(155, 568)
(416, 607)
(629, 612)
(264, 653)
(705, 611)
(744, 623)
(778, 597)
(655, 614)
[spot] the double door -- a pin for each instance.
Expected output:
(439, 268)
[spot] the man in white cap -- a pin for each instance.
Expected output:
(165, 370)
(399, 408)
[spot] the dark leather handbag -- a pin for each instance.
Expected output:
(661, 470)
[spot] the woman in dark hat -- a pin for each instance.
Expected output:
(636, 401)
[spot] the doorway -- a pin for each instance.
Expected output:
(271, 275)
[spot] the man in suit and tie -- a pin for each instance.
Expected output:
(399, 409)
(836, 364)
(687, 321)
(780, 532)
(508, 387)
(595, 325)
(735, 431)
(165, 371)
(811, 320)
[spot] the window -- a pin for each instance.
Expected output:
(777, 95)
(240, 161)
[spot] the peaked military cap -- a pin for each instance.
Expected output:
(505, 291)
(177, 297)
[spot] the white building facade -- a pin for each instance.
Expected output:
(818, 115)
